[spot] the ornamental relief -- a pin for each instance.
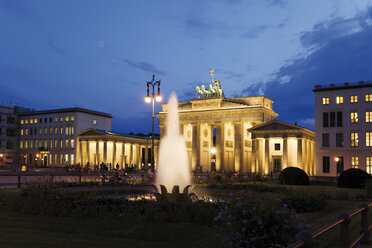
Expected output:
(188, 144)
(229, 144)
(205, 144)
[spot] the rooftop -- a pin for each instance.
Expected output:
(131, 135)
(346, 85)
(65, 110)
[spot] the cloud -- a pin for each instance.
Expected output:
(144, 66)
(20, 8)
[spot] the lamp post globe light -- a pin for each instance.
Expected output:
(148, 99)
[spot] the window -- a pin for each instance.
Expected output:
(66, 130)
(368, 116)
(66, 144)
(26, 131)
(45, 131)
(339, 99)
(21, 131)
(325, 139)
(22, 121)
(66, 158)
(50, 119)
(354, 139)
(325, 164)
(72, 118)
(50, 143)
(61, 159)
(72, 159)
(31, 131)
(61, 130)
(40, 143)
(354, 162)
(368, 138)
(26, 144)
(368, 97)
(353, 99)
(325, 119)
(61, 144)
(55, 159)
(40, 131)
(41, 120)
(325, 100)
(339, 139)
(45, 120)
(61, 119)
(67, 118)
(45, 144)
(26, 121)
(369, 164)
(72, 130)
(55, 144)
(94, 122)
(50, 131)
(354, 117)
(332, 119)
(35, 121)
(36, 144)
(55, 130)
(21, 144)
(339, 119)
(55, 119)
(31, 143)
(32, 121)
(72, 143)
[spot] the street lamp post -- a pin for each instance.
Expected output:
(149, 99)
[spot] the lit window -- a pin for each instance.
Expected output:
(61, 119)
(36, 144)
(66, 158)
(325, 100)
(67, 118)
(339, 99)
(21, 144)
(45, 131)
(26, 144)
(369, 164)
(50, 143)
(35, 121)
(32, 121)
(40, 143)
(55, 159)
(354, 162)
(45, 144)
(22, 121)
(353, 99)
(368, 97)
(368, 138)
(368, 116)
(66, 144)
(66, 130)
(94, 122)
(26, 121)
(55, 130)
(61, 144)
(61, 130)
(26, 131)
(55, 119)
(72, 159)
(72, 118)
(353, 117)
(31, 143)
(72, 142)
(72, 130)
(50, 131)
(21, 131)
(354, 139)
(55, 144)
(40, 131)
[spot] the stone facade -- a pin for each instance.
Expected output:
(226, 119)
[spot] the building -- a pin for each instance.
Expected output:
(9, 133)
(277, 145)
(216, 131)
(96, 146)
(49, 137)
(343, 127)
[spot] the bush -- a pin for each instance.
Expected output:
(263, 221)
(353, 178)
(293, 176)
(303, 203)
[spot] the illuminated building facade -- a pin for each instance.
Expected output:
(343, 127)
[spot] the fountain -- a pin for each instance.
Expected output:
(173, 171)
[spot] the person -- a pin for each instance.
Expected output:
(110, 166)
(117, 166)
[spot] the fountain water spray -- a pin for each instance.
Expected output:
(173, 166)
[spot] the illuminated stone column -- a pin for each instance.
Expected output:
(87, 153)
(238, 147)
(130, 162)
(156, 155)
(105, 151)
(285, 152)
(195, 146)
(313, 168)
(113, 154)
(139, 162)
(299, 153)
(254, 156)
(97, 152)
(219, 147)
(267, 169)
(80, 153)
(122, 163)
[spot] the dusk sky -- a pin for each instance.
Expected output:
(99, 54)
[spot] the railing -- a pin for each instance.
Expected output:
(306, 239)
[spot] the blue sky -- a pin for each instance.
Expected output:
(99, 54)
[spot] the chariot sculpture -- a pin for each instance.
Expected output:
(214, 91)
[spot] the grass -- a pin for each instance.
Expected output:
(20, 230)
